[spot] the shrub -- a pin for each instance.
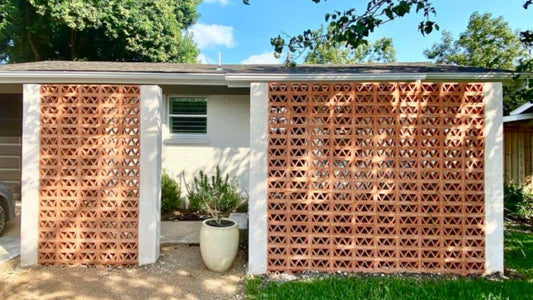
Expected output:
(518, 201)
(170, 193)
(215, 194)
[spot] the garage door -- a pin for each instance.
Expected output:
(10, 141)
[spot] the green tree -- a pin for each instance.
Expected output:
(487, 43)
(382, 50)
(122, 30)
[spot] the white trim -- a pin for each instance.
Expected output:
(111, 77)
(150, 174)
(493, 178)
(230, 80)
(520, 117)
(257, 203)
(31, 144)
(244, 80)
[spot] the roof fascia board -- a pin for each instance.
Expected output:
(230, 80)
(111, 77)
(365, 77)
(515, 118)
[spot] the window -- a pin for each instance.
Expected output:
(187, 115)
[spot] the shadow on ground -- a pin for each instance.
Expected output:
(178, 274)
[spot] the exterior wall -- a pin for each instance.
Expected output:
(226, 144)
(150, 174)
(31, 120)
(11, 141)
(493, 131)
(257, 205)
(430, 201)
(519, 152)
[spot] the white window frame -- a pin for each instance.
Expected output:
(185, 138)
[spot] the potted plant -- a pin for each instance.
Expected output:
(219, 236)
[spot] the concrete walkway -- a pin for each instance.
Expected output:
(10, 240)
(180, 232)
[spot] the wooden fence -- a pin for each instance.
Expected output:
(518, 152)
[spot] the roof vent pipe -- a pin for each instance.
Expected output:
(219, 68)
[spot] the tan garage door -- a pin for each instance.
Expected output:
(10, 141)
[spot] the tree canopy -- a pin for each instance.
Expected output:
(135, 30)
(382, 50)
(487, 43)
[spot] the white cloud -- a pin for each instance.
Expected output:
(266, 58)
(209, 35)
(221, 2)
(203, 59)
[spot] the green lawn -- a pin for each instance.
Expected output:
(518, 256)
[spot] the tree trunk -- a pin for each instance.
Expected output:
(36, 53)
(73, 53)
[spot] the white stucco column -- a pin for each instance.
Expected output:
(257, 204)
(493, 177)
(150, 176)
(31, 126)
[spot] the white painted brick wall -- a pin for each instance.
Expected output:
(228, 142)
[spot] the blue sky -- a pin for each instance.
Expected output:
(242, 33)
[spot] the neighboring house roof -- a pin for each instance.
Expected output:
(523, 109)
(234, 75)
(522, 113)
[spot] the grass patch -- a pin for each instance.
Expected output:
(518, 256)
(389, 288)
(519, 252)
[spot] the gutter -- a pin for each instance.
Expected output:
(515, 118)
(243, 80)
(111, 77)
(230, 80)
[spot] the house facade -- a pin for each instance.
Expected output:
(364, 168)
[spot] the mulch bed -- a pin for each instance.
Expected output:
(184, 215)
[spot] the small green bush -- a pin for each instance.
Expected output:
(518, 201)
(215, 194)
(170, 193)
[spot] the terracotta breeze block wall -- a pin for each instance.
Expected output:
(89, 174)
(376, 177)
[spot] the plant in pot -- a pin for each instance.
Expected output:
(219, 236)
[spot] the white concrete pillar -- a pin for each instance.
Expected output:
(31, 129)
(257, 204)
(150, 176)
(493, 177)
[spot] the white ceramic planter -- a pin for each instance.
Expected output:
(219, 245)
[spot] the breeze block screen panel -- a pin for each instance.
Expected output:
(89, 174)
(376, 177)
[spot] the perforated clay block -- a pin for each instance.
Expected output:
(376, 177)
(89, 174)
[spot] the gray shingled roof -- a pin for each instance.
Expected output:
(391, 68)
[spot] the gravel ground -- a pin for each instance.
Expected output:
(178, 274)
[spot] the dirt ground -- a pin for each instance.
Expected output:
(178, 274)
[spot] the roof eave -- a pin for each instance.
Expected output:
(516, 118)
(240, 80)
(230, 80)
(111, 77)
